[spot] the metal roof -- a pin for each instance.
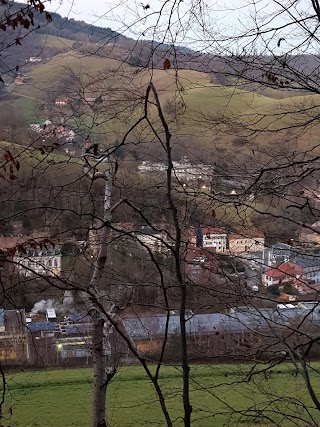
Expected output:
(41, 326)
(306, 260)
(238, 320)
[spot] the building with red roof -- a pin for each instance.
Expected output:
(279, 275)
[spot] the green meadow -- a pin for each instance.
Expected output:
(221, 395)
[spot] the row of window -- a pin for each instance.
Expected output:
(53, 262)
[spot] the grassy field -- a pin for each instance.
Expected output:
(219, 397)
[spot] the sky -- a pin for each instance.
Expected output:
(221, 19)
(78, 9)
(188, 22)
(111, 13)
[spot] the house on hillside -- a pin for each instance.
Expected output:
(281, 274)
(19, 80)
(35, 59)
(187, 172)
(246, 241)
(147, 166)
(62, 100)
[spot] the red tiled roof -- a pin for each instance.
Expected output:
(285, 269)
(248, 234)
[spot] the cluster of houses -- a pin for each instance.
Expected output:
(229, 243)
(50, 130)
(276, 266)
(55, 336)
(302, 272)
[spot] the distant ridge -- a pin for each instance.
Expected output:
(68, 28)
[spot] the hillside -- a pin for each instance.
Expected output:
(208, 113)
(72, 73)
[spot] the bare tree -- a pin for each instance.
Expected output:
(269, 187)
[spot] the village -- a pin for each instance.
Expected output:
(58, 332)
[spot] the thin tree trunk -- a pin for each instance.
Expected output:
(99, 375)
(98, 317)
(187, 408)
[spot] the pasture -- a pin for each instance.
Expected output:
(221, 395)
(214, 115)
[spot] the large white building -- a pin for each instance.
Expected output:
(43, 262)
(183, 170)
(209, 238)
(214, 238)
(155, 240)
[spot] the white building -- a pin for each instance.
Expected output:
(214, 238)
(184, 170)
(35, 59)
(187, 172)
(147, 166)
(206, 237)
(155, 240)
(44, 262)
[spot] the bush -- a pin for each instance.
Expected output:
(273, 290)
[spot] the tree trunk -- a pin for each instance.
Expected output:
(99, 376)
(187, 408)
(97, 311)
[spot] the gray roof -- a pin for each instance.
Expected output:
(282, 252)
(242, 319)
(39, 252)
(307, 261)
(80, 328)
(41, 326)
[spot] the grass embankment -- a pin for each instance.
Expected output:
(219, 397)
